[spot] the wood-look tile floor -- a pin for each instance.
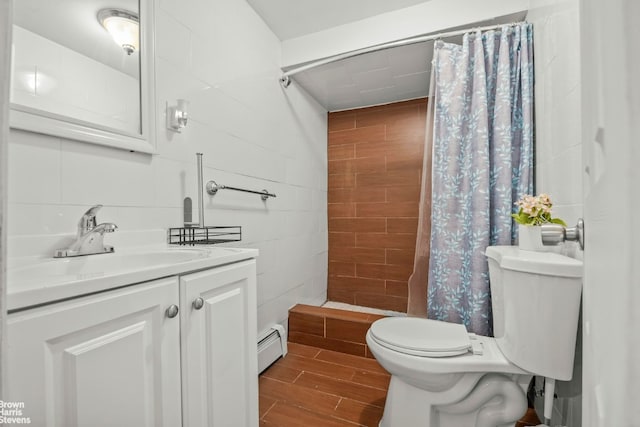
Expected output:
(316, 387)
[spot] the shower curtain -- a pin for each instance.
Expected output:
(481, 163)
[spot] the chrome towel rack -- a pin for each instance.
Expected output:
(213, 187)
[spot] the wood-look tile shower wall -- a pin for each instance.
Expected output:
(375, 163)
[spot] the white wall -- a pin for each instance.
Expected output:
(557, 97)
(223, 59)
(425, 18)
(559, 145)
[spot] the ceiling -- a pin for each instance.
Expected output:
(293, 18)
(374, 78)
(380, 77)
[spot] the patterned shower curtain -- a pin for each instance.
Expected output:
(482, 163)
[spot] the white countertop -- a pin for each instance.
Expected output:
(33, 281)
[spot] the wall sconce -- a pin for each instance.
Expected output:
(177, 115)
(123, 27)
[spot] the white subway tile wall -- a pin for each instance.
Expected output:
(559, 146)
(557, 97)
(223, 59)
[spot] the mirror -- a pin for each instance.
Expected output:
(82, 70)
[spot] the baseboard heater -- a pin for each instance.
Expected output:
(272, 344)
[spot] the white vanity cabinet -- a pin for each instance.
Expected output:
(119, 358)
(219, 347)
(108, 359)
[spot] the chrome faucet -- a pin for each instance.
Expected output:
(89, 240)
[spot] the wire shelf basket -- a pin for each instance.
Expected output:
(208, 235)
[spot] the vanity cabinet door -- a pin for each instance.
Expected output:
(219, 347)
(110, 359)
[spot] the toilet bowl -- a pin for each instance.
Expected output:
(456, 375)
(443, 376)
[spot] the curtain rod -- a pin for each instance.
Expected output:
(285, 79)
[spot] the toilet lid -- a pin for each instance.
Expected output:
(421, 337)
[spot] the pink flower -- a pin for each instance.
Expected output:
(534, 210)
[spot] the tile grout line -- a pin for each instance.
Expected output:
(270, 408)
(324, 326)
(338, 380)
(354, 369)
(288, 384)
(297, 376)
(348, 415)
(301, 406)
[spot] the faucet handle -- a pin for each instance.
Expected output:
(88, 220)
(93, 211)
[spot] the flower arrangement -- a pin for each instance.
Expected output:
(535, 210)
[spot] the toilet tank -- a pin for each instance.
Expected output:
(536, 304)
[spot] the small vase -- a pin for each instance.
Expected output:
(530, 238)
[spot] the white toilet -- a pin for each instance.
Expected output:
(442, 376)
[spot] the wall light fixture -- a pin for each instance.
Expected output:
(177, 115)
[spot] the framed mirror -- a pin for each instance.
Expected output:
(84, 70)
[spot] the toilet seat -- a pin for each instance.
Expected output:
(423, 337)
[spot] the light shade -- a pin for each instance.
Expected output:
(123, 27)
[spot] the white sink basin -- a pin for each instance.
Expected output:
(39, 281)
(83, 267)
